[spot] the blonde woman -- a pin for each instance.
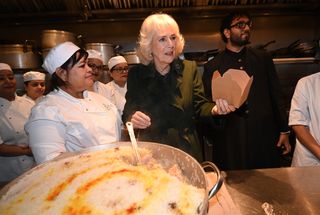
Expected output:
(165, 95)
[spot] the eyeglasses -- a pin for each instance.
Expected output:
(94, 66)
(242, 25)
(120, 70)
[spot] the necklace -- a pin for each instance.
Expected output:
(165, 70)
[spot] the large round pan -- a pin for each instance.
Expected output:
(167, 156)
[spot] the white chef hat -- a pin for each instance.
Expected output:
(94, 54)
(116, 60)
(33, 75)
(58, 55)
(4, 66)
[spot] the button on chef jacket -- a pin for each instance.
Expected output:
(13, 115)
(61, 123)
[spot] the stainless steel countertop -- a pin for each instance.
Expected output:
(289, 190)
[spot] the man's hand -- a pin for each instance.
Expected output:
(284, 143)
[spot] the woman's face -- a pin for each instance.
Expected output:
(97, 68)
(164, 46)
(7, 84)
(119, 74)
(35, 88)
(79, 78)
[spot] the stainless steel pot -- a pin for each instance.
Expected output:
(168, 156)
(45, 52)
(106, 49)
(20, 56)
(131, 57)
(51, 38)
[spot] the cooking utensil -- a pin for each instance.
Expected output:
(285, 51)
(131, 57)
(133, 142)
(201, 56)
(264, 46)
(305, 49)
(165, 155)
(51, 38)
(191, 170)
(107, 50)
(219, 182)
(20, 56)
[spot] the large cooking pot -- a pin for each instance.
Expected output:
(131, 57)
(107, 50)
(20, 56)
(166, 155)
(51, 38)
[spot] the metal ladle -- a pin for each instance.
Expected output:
(133, 142)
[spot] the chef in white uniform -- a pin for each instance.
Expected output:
(70, 118)
(117, 88)
(15, 154)
(34, 84)
(304, 118)
(95, 62)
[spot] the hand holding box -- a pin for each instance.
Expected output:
(233, 86)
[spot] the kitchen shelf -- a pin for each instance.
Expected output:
(294, 60)
(281, 60)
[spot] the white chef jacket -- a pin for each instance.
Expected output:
(61, 123)
(34, 101)
(117, 95)
(305, 106)
(100, 88)
(13, 115)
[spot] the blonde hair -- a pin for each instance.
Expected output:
(150, 26)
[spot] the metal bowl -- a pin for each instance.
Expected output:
(166, 155)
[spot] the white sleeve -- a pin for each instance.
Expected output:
(46, 139)
(299, 111)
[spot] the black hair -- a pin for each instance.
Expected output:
(56, 81)
(227, 20)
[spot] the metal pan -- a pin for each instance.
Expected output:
(166, 155)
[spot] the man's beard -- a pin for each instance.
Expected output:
(240, 41)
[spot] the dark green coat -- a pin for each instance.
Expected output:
(174, 103)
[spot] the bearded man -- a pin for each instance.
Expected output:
(250, 137)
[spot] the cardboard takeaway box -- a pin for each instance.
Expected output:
(234, 86)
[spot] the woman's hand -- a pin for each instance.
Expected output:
(222, 107)
(140, 120)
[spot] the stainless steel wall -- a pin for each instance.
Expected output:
(200, 33)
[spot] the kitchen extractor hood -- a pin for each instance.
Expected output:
(19, 12)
